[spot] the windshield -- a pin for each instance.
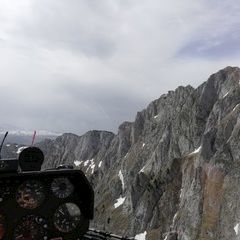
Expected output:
(142, 97)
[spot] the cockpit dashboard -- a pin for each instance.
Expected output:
(48, 205)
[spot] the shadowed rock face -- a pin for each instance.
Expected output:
(174, 172)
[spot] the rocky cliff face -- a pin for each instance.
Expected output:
(173, 173)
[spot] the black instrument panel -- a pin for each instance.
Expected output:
(48, 205)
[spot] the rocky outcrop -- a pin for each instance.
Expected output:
(172, 173)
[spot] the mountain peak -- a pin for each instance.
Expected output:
(172, 173)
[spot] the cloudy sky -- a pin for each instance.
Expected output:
(76, 65)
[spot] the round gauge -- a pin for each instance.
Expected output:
(62, 187)
(67, 217)
(30, 194)
(31, 227)
(2, 226)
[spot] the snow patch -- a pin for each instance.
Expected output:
(100, 164)
(196, 151)
(235, 107)
(236, 229)
(143, 145)
(8, 145)
(142, 170)
(119, 202)
(155, 116)
(78, 163)
(225, 94)
(126, 155)
(141, 236)
(121, 178)
(21, 149)
(181, 193)
(92, 165)
(175, 217)
(86, 163)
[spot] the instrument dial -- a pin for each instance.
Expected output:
(30, 194)
(67, 217)
(62, 187)
(31, 227)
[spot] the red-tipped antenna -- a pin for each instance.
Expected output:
(33, 138)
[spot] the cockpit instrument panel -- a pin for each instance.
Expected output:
(48, 205)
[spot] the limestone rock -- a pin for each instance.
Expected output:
(174, 171)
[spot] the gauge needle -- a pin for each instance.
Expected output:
(19, 237)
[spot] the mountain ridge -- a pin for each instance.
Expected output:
(173, 171)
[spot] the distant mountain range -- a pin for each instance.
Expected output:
(25, 137)
(173, 173)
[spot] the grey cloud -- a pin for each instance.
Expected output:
(90, 64)
(79, 26)
(74, 107)
(226, 45)
(102, 106)
(218, 35)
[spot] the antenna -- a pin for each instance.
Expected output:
(33, 138)
(1, 146)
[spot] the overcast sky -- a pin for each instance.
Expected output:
(76, 65)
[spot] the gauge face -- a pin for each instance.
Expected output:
(30, 194)
(31, 227)
(2, 226)
(62, 187)
(67, 217)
